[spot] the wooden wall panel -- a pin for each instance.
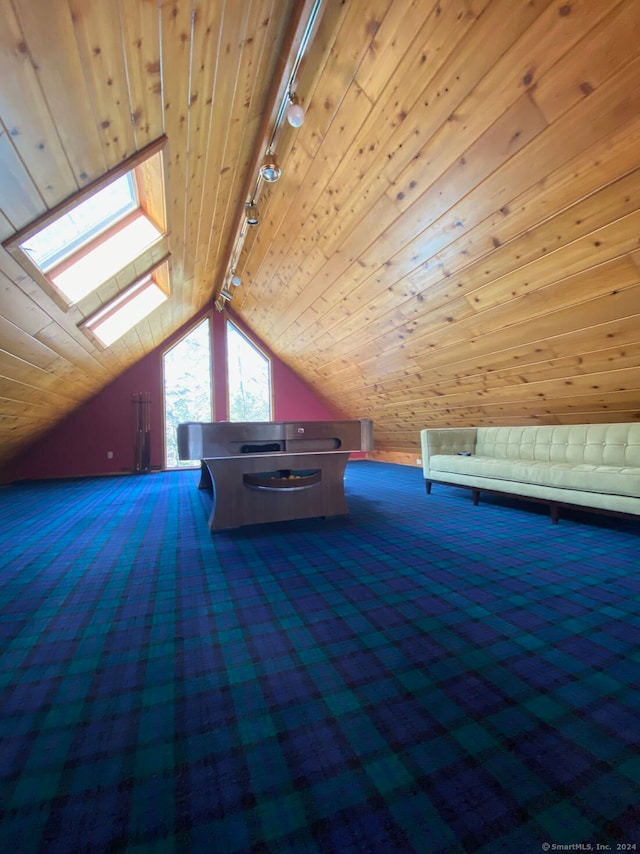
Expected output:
(455, 238)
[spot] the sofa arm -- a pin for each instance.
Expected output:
(446, 440)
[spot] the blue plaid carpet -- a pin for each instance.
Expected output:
(420, 676)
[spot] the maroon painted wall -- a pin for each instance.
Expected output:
(78, 446)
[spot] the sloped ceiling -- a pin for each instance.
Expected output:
(455, 238)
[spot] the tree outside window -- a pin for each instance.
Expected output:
(187, 388)
(249, 378)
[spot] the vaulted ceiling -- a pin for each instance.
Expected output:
(455, 238)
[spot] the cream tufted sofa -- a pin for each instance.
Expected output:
(595, 466)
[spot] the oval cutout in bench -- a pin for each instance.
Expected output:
(282, 479)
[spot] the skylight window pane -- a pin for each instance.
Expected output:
(106, 259)
(135, 306)
(76, 228)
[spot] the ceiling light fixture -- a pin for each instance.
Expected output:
(270, 171)
(236, 281)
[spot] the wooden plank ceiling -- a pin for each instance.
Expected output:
(455, 238)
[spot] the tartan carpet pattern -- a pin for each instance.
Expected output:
(423, 675)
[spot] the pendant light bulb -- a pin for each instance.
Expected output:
(295, 115)
(251, 212)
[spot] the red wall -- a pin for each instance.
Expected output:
(79, 444)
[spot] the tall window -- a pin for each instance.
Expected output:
(187, 388)
(248, 378)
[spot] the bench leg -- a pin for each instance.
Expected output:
(428, 485)
(476, 496)
(554, 512)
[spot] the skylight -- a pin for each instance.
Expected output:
(122, 314)
(100, 262)
(74, 229)
(103, 235)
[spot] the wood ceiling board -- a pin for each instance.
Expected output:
(604, 51)
(99, 45)
(526, 364)
(451, 343)
(53, 48)
(140, 28)
(36, 142)
(446, 305)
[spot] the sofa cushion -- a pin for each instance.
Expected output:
(606, 479)
(592, 444)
